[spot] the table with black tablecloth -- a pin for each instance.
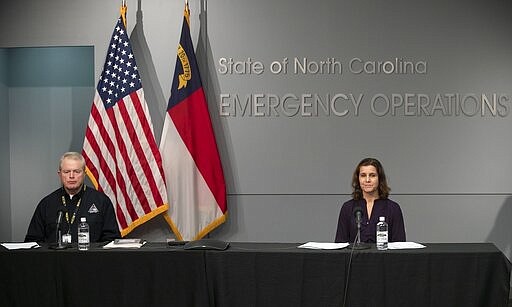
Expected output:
(256, 274)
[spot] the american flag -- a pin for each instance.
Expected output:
(195, 180)
(120, 150)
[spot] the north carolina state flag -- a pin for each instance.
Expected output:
(195, 181)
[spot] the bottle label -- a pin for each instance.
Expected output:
(382, 237)
(83, 238)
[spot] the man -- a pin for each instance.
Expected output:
(77, 200)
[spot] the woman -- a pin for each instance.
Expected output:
(370, 193)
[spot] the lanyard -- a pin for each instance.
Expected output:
(74, 213)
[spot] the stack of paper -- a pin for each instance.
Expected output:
(125, 243)
(323, 245)
(25, 245)
(404, 245)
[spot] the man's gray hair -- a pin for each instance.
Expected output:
(73, 155)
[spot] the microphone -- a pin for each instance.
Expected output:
(58, 233)
(357, 212)
(60, 213)
(358, 215)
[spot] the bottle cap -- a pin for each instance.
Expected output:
(83, 219)
(382, 219)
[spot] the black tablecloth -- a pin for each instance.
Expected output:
(256, 274)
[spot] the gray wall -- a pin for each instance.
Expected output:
(49, 101)
(288, 174)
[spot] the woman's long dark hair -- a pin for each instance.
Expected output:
(383, 189)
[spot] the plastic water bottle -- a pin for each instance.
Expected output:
(382, 234)
(83, 235)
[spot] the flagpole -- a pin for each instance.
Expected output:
(204, 29)
(123, 10)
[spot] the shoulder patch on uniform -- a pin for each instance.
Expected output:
(93, 209)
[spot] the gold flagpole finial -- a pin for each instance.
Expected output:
(123, 10)
(187, 13)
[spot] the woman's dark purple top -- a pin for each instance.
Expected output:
(347, 228)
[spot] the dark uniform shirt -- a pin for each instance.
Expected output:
(347, 228)
(94, 205)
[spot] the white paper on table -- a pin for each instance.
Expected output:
(404, 245)
(22, 245)
(124, 244)
(323, 245)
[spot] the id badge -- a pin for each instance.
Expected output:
(66, 238)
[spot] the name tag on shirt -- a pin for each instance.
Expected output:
(66, 238)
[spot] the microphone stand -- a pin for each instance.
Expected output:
(58, 233)
(59, 244)
(358, 245)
